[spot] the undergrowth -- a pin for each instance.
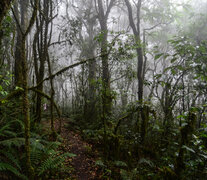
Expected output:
(46, 158)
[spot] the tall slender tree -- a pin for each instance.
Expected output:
(40, 49)
(103, 14)
(137, 36)
(144, 110)
(23, 81)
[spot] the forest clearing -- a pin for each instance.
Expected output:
(103, 89)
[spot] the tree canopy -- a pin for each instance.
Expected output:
(103, 89)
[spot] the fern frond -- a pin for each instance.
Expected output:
(51, 145)
(2, 130)
(18, 142)
(8, 167)
(36, 144)
(21, 123)
(10, 156)
(9, 133)
(52, 163)
(36, 157)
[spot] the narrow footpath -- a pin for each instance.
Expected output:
(84, 162)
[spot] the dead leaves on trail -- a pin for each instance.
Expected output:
(84, 162)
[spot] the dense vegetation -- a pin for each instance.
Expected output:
(129, 77)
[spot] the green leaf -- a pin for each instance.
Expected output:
(180, 67)
(180, 116)
(204, 156)
(71, 155)
(157, 76)
(173, 71)
(173, 60)
(146, 161)
(120, 164)
(188, 149)
(100, 163)
(19, 88)
(158, 56)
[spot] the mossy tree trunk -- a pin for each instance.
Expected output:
(88, 47)
(186, 134)
(4, 7)
(49, 7)
(106, 91)
(25, 104)
(140, 59)
(23, 82)
(145, 110)
(52, 94)
(18, 45)
(40, 48)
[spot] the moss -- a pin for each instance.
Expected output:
(186, 133)
(145, 119)
(13, 94)
(4, 7)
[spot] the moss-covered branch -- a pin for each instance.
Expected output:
(15, 93)
(62, 71)
(48, 98)
(76, 64)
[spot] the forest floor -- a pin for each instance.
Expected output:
(83, 164)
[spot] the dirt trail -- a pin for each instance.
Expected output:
(83, 163)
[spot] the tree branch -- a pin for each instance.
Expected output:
(32, 20)
(48, 98)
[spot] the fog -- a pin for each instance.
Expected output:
(119, 83)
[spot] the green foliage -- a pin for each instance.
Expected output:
(45, 156)
(100, 163)
(120, 164)
(8, 155)
(53, 162)
(8, 167)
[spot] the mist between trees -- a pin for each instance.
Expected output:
(128, 76)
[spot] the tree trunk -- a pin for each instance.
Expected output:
(139, 50)
(18, 51)
(4, 7)
(90, 111)
(30, 170)
(136, 31)
(106, 92)
(23, 81)
(41, 43)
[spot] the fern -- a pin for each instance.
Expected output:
(3, 129)
(51, 145)
(6, 130)
(53, 162)
(8, 167)
(9, 133)
(10, 156)
(36, 144)
(19, 122)
(36, 157)
(17, 141)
